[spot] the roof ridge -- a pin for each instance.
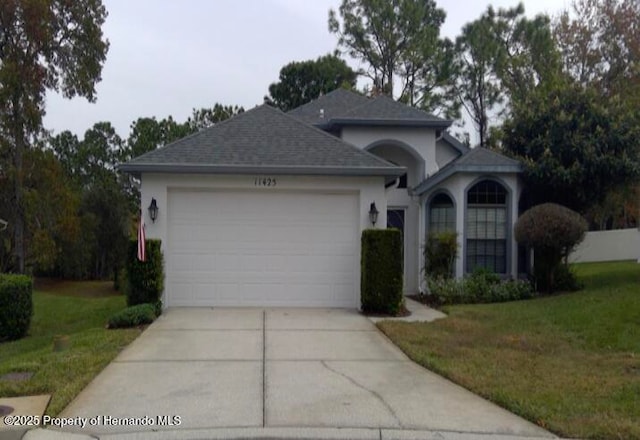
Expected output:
(331, 93)
(326, 134)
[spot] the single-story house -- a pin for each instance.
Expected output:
(267, 208)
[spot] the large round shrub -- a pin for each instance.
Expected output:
(552, 231)
(16, 306)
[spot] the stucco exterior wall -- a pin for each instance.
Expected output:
(445, 153)
(422, 140)
(622, 244)
(370, 189)
(457, 186)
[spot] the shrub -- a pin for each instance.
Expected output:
(552, 231)
(479, 287)
(133, 316)
(16, 306)
(440, 252)
(144, 280)
(381, 274)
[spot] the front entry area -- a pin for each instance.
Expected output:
(262, 248)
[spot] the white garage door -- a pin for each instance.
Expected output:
(266, 248)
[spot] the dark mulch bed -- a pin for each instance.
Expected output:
(401, 314)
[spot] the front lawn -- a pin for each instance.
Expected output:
(79, 310)
(570, 363)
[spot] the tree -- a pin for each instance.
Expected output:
(552, 231)
(600, 44)
(528, 57)
(396, 38)
(44, 45)
(500, 58)
(208, 117)
(477, 86)
(50, 208)
(575, 147)
(303, 81)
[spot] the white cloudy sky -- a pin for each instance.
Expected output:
(170, 56)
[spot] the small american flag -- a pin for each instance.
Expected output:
(141, 240)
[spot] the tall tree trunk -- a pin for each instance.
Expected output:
(18, 128)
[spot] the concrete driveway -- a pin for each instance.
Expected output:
(278, 368)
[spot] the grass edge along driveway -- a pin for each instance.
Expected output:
(569, 363)
(79, 310)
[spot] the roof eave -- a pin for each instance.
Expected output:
(137, 169)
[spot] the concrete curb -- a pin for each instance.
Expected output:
(278, 434)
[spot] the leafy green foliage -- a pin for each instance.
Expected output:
(133, 316)
(16, 306)
(599, 43)
(552, 231)
(398, 38)
(44, 45)
(500, 58)
(440, 253)
(304, 81)
(479, 287)
(145, 279)
(575, 147)
(381, 276)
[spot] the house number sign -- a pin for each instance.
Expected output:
(264, 181)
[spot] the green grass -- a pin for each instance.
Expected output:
(79, 310)
(570, 363)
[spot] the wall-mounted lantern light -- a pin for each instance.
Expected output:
(373, 213)
(153, 210)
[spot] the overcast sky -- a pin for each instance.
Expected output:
(170, 56)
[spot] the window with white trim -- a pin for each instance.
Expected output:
(442, 214)
(487, 227)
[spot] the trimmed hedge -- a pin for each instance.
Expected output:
(16, 306)
(381, 271)
(144, 280)
(133, 316)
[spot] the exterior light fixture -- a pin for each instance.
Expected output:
(373, 213)
(153, 210)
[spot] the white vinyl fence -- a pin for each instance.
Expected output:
(621, 244)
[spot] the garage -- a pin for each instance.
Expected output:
(262, 248)
(261, 210)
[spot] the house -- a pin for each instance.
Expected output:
(267, 208)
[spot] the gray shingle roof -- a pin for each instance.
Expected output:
(483, 157)
(455, 143)
(263, 139)
(343, 107)
(383, 110)
(476, 160)
(333, 104)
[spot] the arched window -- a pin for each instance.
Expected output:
(442, 215)
(487, 227)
